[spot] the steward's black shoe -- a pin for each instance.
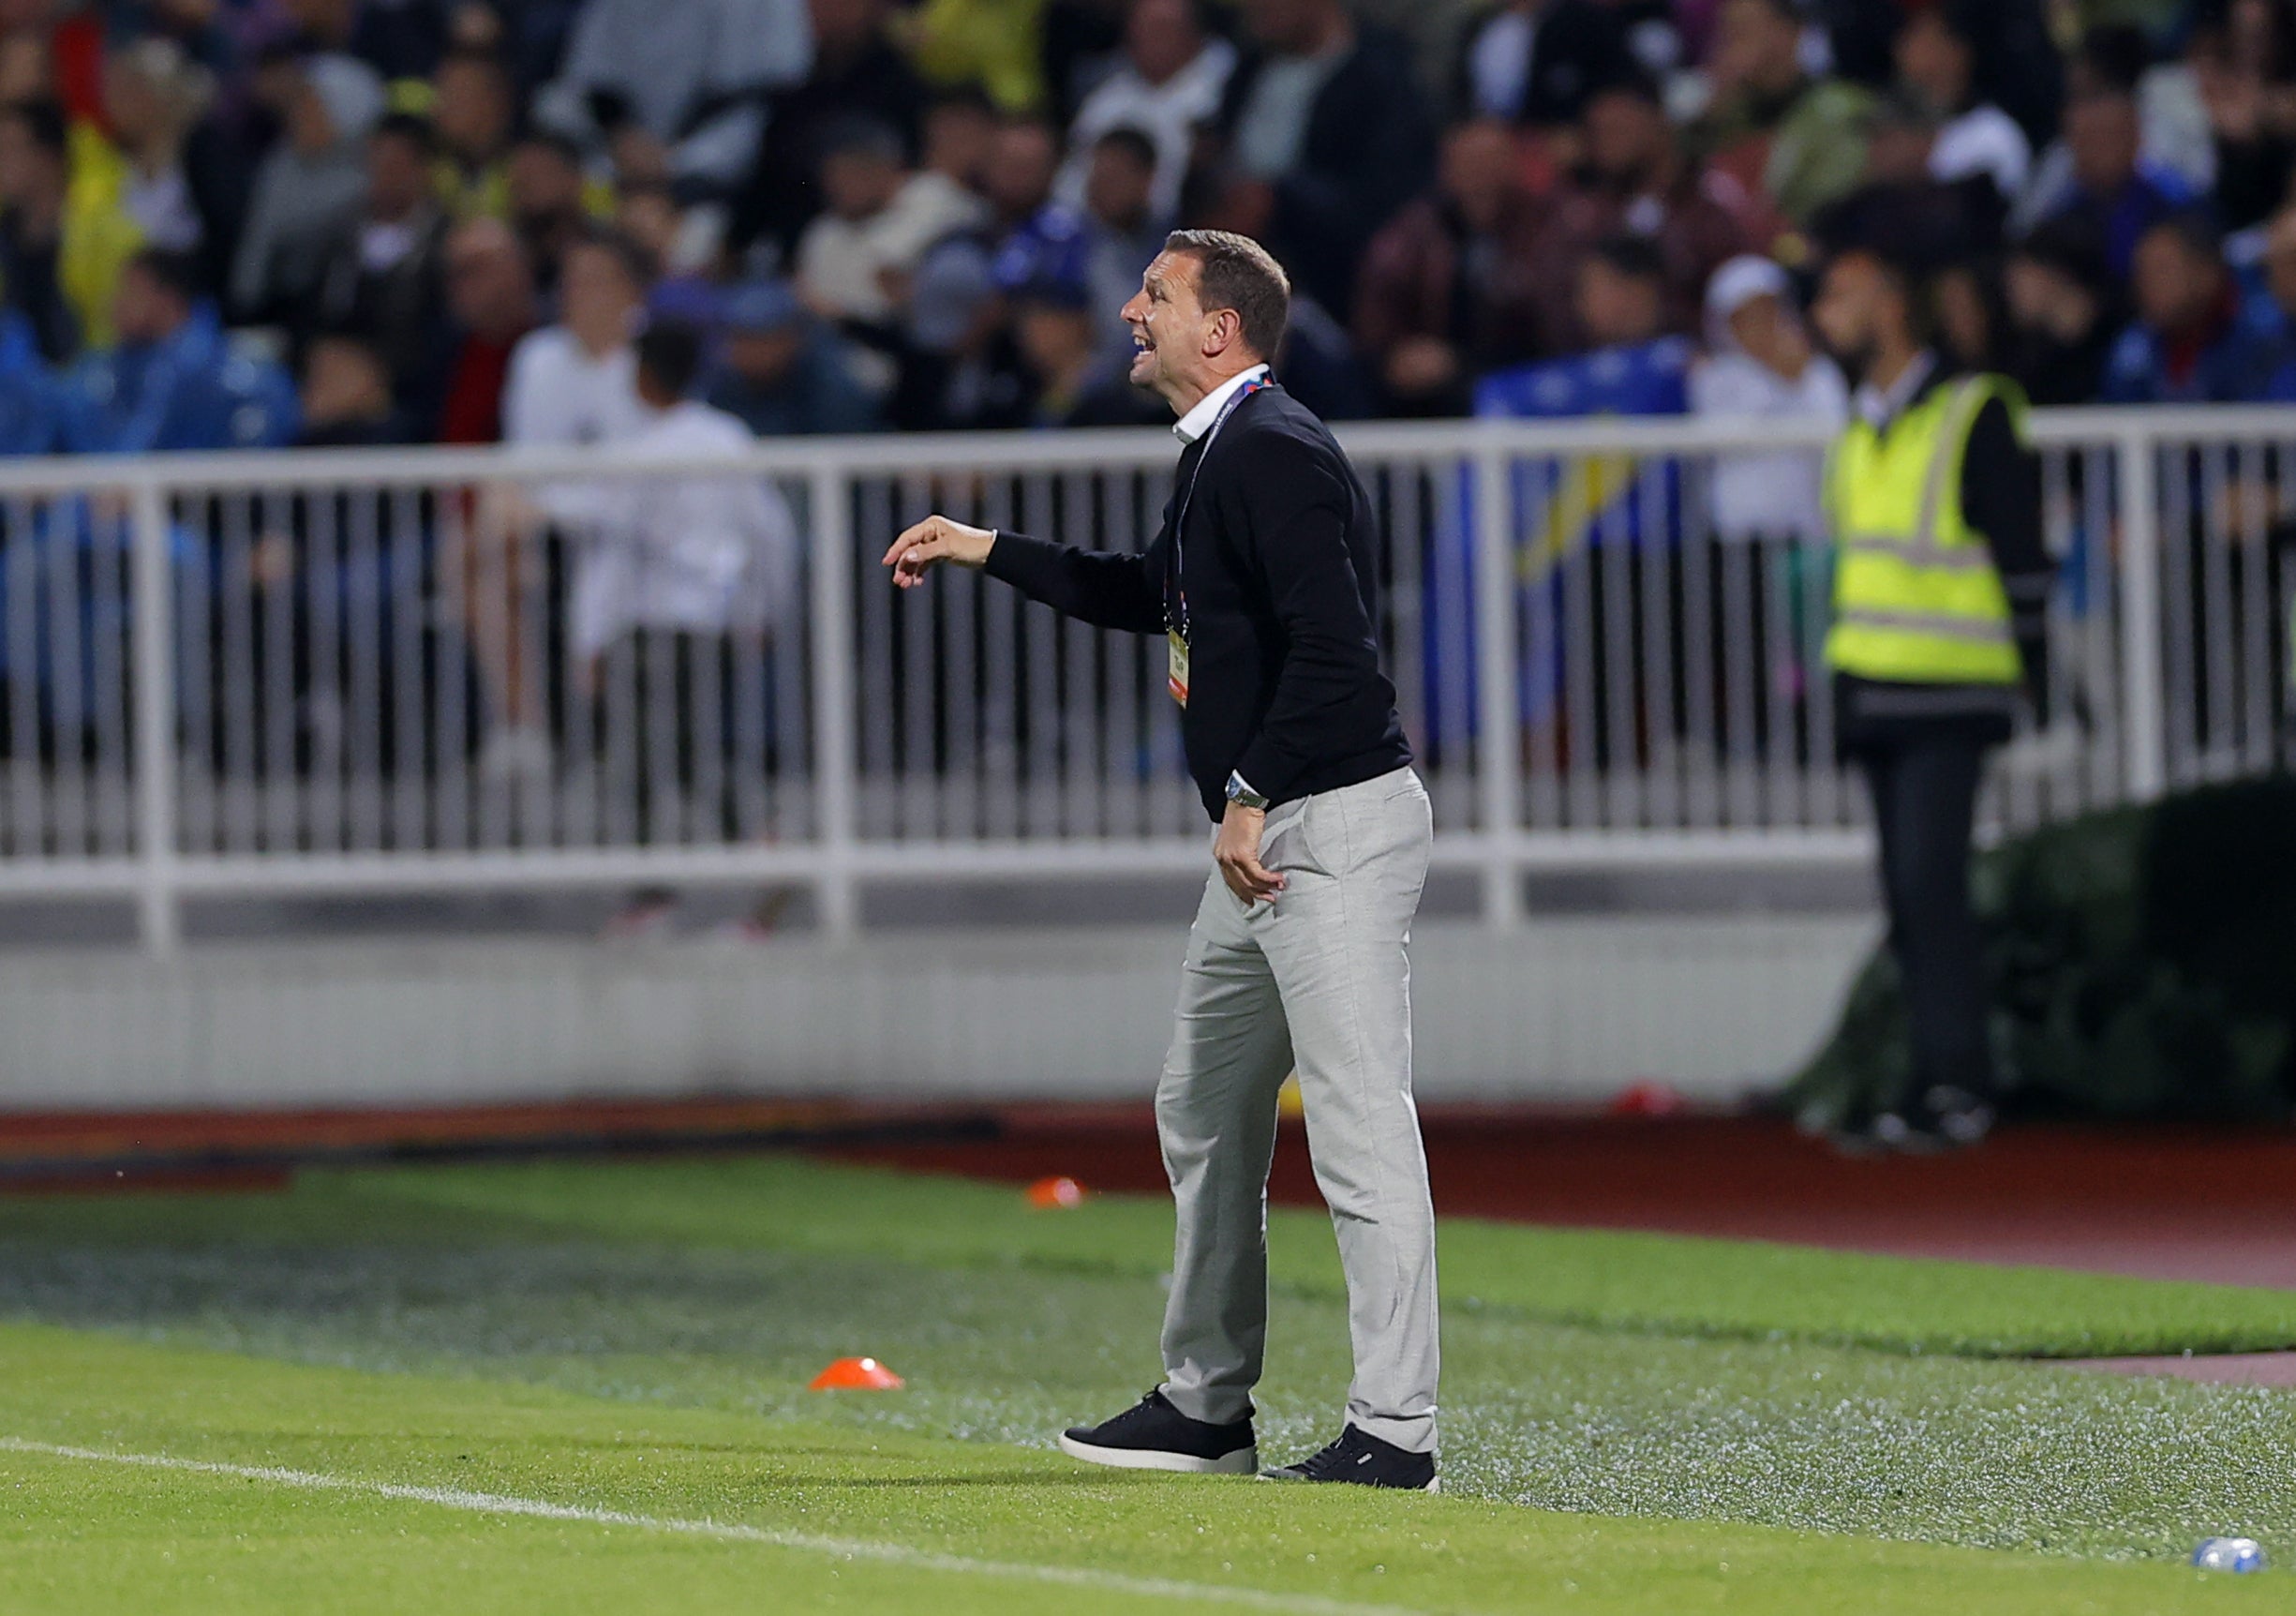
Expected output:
(1365, 1459)
(1154, 1435)
(1945, 1118)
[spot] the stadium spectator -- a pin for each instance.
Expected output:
(490, 295)
(2275, 274)
(2171, 116)
(858, 71)
(570, 386)
(1323, 138)
(182, 186)
(2107, 182)
(1165, 88)
(2060, 322)
(1635, 178)
(1935, 53)
(1073, 379)
(402, 40)
(383, 278)
(307, 190)
(571, 383)
(1124, 228)
(64, 233)
(1760, 362)
(1533, 62)
(550, 202)
(2196, 339)
(1773, 126)
(1633, 364)
(673, 570)
(346, 398)
(173, 381)
(781, 371)
(474, 111)
(2243, 57)
(855, 260)
(1445, 294)
(683, 87)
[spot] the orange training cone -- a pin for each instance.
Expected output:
(855, 1375)
(1060, 1193)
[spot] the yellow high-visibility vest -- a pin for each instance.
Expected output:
(1917, 597)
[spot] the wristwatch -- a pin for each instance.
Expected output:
(1242, 795)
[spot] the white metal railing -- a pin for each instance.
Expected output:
(359, 671)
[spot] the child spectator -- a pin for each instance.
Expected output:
(1760, 363)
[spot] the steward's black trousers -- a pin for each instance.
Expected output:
(1924, 780)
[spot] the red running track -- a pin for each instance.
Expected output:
(2163, 1203)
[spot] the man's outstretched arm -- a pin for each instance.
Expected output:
(1105, 587)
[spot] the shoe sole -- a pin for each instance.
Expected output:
(1243, 1462)
(1435, 1486)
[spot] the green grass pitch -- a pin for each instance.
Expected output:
(580, 1388)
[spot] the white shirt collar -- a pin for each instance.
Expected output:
(1878, 408)
(1197, 421)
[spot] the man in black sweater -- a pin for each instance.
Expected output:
(1262, 580)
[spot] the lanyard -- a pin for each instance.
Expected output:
(1176, 589)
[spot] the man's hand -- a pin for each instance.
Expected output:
(1237, 854)
(934, 540)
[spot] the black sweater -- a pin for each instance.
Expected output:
(1280, 563)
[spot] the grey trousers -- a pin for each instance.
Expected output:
(1318, 979)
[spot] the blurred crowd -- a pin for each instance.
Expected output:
(262, 222)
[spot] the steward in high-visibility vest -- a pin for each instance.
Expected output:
(1938, 638)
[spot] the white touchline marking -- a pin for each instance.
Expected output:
(731, 1532)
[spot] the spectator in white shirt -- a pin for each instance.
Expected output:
(1768, 521)
(569, 385)
(681, 576)
(1936, 61)
(1760, 362)
(1168, 87)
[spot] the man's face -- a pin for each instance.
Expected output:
(1284, 26)
(1754, 47)
(600, 300)
(543, 185)
(857, 182)
(1481, 171)
(143, 309)
(1853, 298)
(27, 169)
(1168, 325)
(473, 109)
(764, 358)
(397, 176)
(2042, 297)
(2175, 286)
(2101, 133)
(488, 287)
(1053, 338)
(841, 25)
(1934, 61)
(1117, 186)
(957, 140)
(1625, 135)
(1160, 39)
(1616, 308)
(1021, 167)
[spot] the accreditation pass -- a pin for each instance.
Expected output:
(1176, 678)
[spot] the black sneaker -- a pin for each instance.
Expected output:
(1945, 1118)
(1154, 1435)
(1365, 1459)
